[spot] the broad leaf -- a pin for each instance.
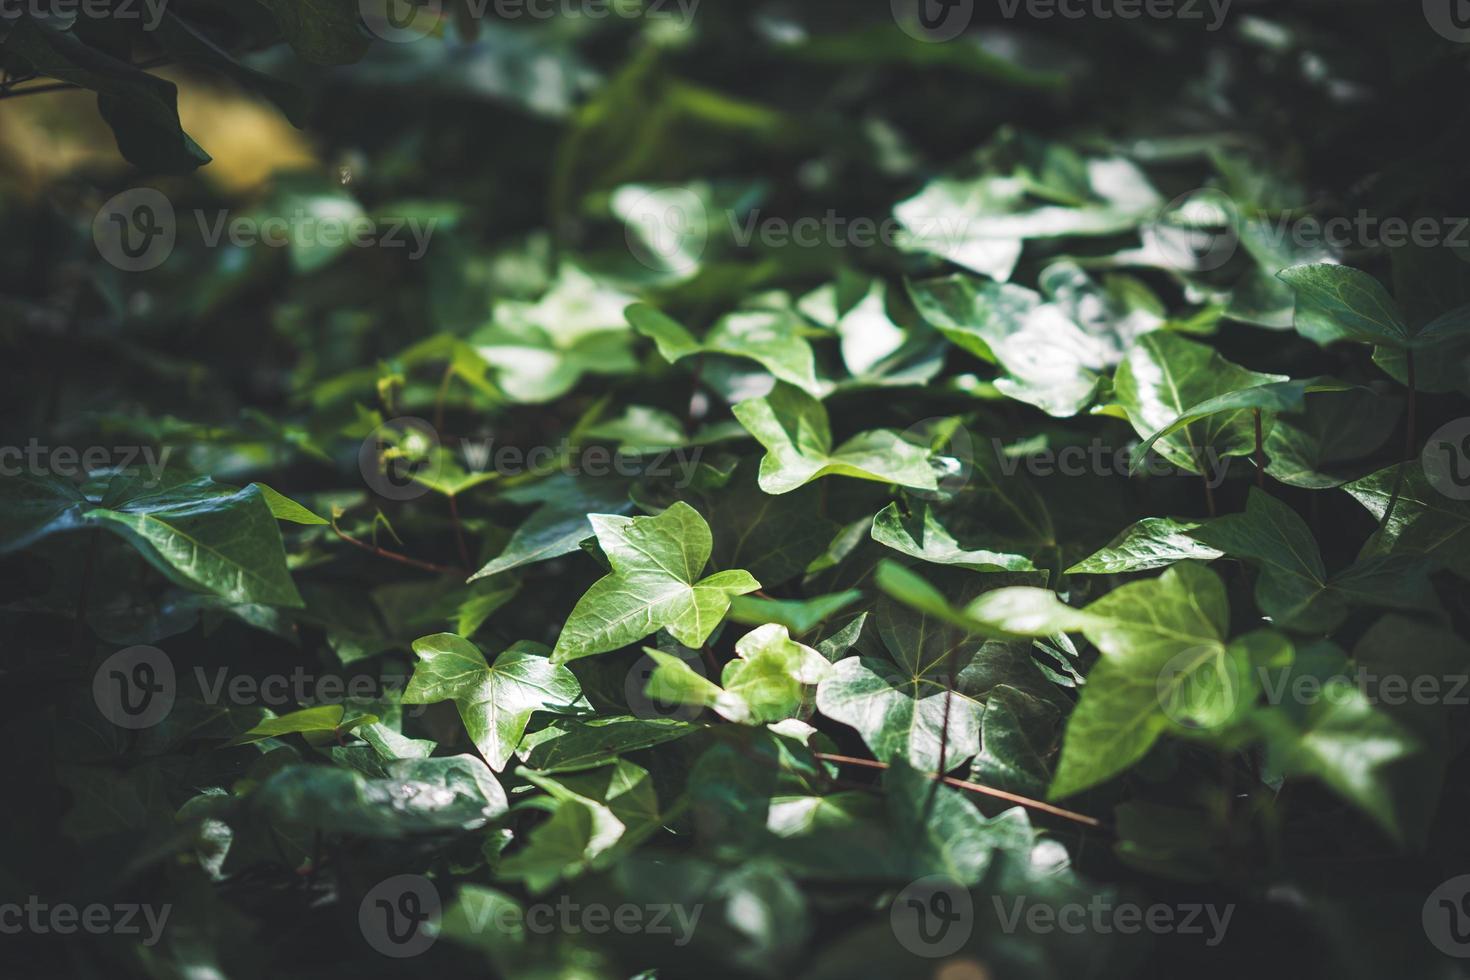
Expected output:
(655, 584)
(495, 701)
(793, 428)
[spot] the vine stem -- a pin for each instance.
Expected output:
(427, 566)
(980, 788)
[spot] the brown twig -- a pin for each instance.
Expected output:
(999, 794)
(395, 556)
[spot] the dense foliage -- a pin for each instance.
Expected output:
(494, 493)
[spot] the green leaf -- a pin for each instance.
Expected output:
(797, 615)
(1273, 398)
(1336, 303)
(1424, 521)
(495, 701)
(769, 680)
(1323, 445)
(922, 536)
(1049, 360)
(323, 719)
(540, 351)
(1017, 740)
(142, 109)
(948, 836)
(773, 537)
(1340, 738)
(322, 31)
(598, 816)
(897, 703)
(793, 427)
(1157, 637)
(655, 584)
(197, 532)
(1294, 588)
(283, 508)
(567, 745)
(773, 339)
(559, 523)
(1154, 542)
(1163, 377)
(420, 796)
(982, 224)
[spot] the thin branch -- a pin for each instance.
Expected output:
(395, 556)
(999, 794)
